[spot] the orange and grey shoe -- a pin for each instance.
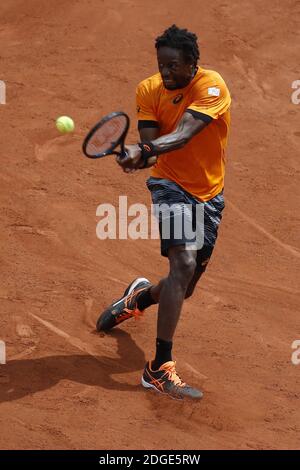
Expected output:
(125, 307)
(166, 380)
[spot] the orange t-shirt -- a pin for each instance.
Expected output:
(199, 166)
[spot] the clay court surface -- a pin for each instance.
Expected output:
(65, 386)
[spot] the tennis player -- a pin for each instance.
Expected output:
(183, 121)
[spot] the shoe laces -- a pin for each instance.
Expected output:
(170, 368)
(133, 296)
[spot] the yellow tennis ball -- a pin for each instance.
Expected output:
(65, 124)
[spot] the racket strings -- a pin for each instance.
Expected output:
(107, 135)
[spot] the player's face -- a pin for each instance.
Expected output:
(175, 72)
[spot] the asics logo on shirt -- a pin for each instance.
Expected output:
(177, 98)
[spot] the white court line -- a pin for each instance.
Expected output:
(118, 281)
(85, 348)
(271, 237)
(2, 352)
(74, 341)
(25, 353)
(214, 279)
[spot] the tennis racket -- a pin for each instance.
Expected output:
(104, 138)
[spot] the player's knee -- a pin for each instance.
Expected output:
(187, 265)
(184, 268)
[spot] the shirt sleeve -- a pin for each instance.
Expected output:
(214, 100)
(144, 104)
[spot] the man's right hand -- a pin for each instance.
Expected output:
(133, 160)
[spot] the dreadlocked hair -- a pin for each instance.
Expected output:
(180, 39)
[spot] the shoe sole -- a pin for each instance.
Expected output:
(148, 386)
(106, 316)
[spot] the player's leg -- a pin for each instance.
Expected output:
(161, 374)
(151, 296)
(202, 260)
(140, 294)
(182, 267)
(165, 379)
(212, 217)
(171, 296)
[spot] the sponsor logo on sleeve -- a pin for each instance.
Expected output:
(213, 91)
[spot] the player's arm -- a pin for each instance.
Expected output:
(148, 134)
(190, 125)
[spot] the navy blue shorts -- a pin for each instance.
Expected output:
(202, 218)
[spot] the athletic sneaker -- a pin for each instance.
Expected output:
(166, 380)
(125, 307)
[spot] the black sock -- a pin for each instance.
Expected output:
(144, 300)
(163, 353)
